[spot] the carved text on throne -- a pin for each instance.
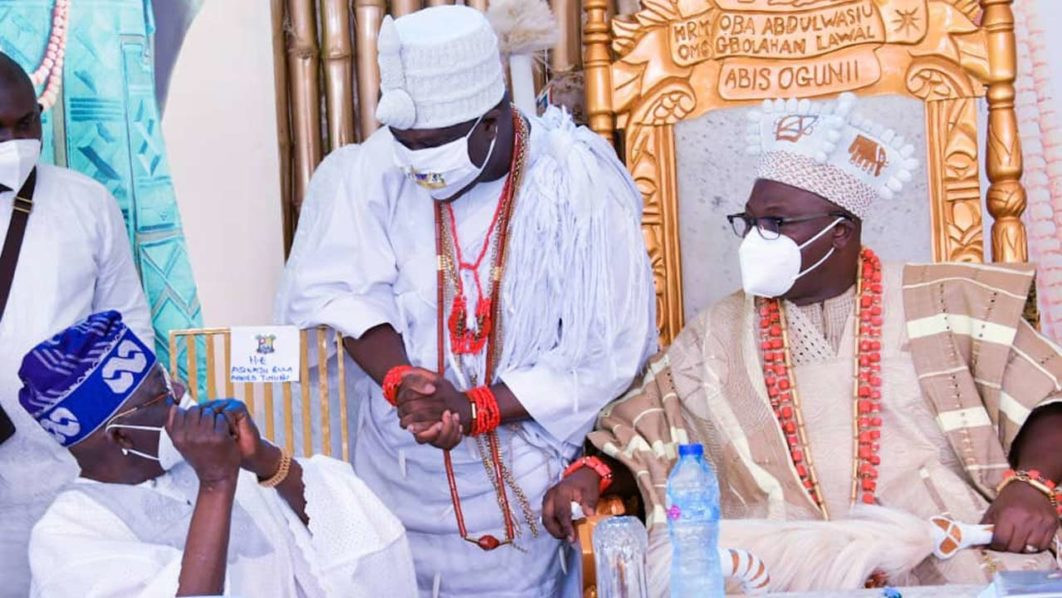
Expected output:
(814, 47)
(746, 79)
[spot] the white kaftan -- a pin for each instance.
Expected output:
(578, 322)
(75, 261)
(114, 540)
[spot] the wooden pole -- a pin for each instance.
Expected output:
(598, 69)
(368, 14)
(1006, 195)
(565, 54)
(303, 66)
(338, 59)
(404, 7)
(280, 88)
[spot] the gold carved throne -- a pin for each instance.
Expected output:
(650, 75)
(668, 83)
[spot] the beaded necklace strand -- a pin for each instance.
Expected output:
(486, 336)
(782, 392)
(50, 71)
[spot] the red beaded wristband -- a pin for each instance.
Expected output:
(597, 465)
(1035, 479)
(486, 416)
(392, 381)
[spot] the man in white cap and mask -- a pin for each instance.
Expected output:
(65, 255)
(488, 271)
(833, 379)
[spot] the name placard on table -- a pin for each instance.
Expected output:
(264, 354)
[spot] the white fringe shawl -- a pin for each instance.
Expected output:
(559, 303)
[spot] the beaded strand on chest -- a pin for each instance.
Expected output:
(467, 343)
(784, 397)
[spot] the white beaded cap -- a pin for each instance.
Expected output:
(825, 148)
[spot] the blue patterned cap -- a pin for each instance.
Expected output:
(79, 378)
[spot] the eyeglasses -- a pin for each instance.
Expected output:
(152, 401)
(162, 396)
(770, 227)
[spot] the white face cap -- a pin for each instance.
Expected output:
(440, 25)
(439, 66)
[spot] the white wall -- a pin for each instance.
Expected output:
(220, 130)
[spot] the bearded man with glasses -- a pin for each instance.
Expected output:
(181, 499)
(833, 380)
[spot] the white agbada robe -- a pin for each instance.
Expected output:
(75, 261)
(122, 541)
(364, 255)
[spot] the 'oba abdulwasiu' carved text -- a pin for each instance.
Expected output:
(723, 34)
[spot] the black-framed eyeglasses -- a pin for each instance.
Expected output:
(770, 227)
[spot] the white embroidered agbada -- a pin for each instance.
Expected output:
(75, 260)
(115, 540)
(578, 323)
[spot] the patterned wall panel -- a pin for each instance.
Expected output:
(107, 126)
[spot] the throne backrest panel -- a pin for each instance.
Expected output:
(665, 78)
(715, 174)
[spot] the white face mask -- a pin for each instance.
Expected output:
(444, 170)
(18, 157)
(167, 454)
(769, 268)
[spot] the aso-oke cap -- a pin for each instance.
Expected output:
(79, 378)
(439, 66)
(825, 148)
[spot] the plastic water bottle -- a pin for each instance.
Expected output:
(620, 545)
(693, 524)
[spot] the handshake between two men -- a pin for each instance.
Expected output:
(432, 409)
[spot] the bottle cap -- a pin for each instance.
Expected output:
(694, 450)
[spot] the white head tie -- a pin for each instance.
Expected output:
(828, 150)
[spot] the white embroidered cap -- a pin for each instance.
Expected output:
(439, 66)
(826, 149)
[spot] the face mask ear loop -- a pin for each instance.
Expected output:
(818, 263)
(490, 152)
(127, 451)
(820, 233)
(474, 125)
(133, 427)
(812, 240)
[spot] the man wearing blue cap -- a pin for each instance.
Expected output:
(65, 254)
(161, 489)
